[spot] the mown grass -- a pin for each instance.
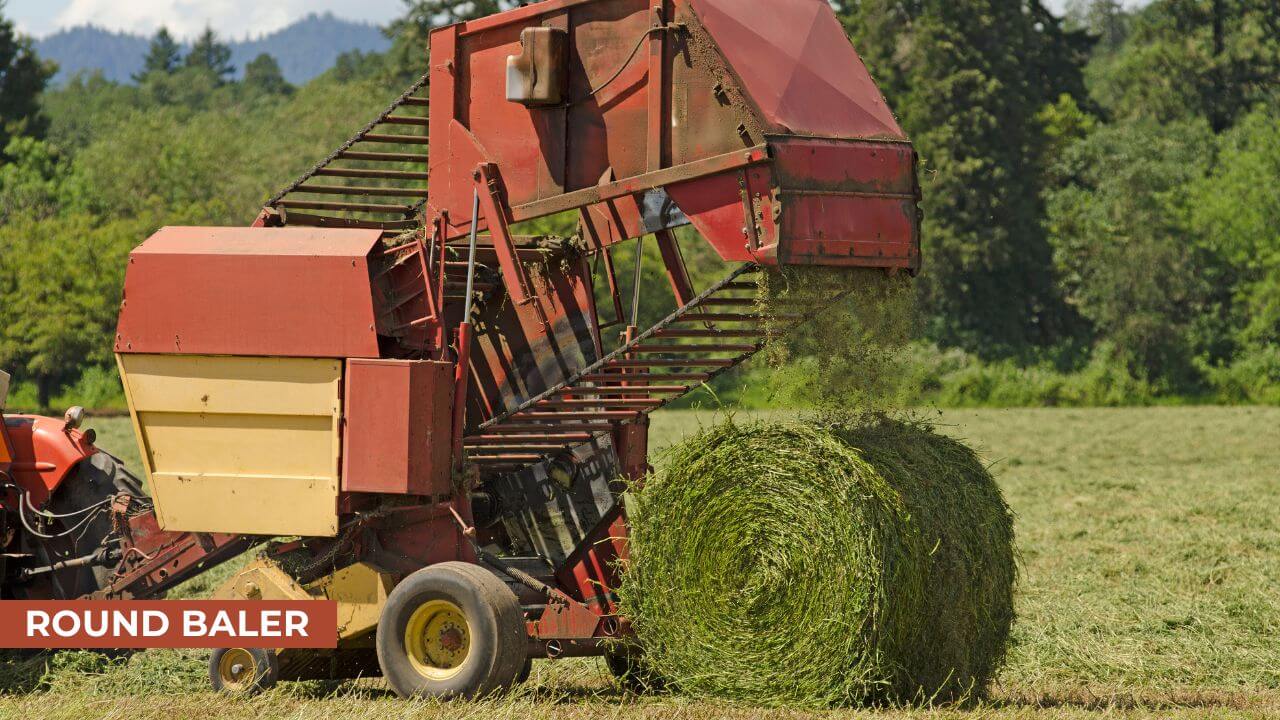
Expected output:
(1151, 558)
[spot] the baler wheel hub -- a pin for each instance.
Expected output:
(437, 639)
(237, 669)
(243, 671)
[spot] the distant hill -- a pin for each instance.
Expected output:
(304, 49)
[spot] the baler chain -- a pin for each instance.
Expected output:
(715, 332)
(348, 205)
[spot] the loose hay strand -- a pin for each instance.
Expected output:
(851, 350)
(820, 564)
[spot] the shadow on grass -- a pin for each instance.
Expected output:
(1100, 700)
(21, 672)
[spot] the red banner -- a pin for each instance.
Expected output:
(136, 624)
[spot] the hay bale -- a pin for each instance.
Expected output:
(822, 563)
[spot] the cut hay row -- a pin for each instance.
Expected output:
(822, 563)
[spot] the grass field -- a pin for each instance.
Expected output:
(1151, 564)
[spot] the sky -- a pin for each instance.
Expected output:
(186, 18)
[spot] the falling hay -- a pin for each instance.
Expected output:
(849, 349)
(829, 562)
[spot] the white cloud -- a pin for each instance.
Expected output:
(230, 18)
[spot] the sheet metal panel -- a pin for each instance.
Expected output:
(398, 429)
(279, 292)
(238, 445)
(796, 64)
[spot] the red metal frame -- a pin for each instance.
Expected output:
(765, 133)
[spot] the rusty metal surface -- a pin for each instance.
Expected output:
(397, 430)
(796, 64)
(153, 560)
(847, 203)
(244, 291)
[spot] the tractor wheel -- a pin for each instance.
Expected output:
(96, 481)
(243, 672)
(526, 670)
(453, 630)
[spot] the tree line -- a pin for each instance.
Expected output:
(1100, 220)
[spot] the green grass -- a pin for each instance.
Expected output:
(1151, 559)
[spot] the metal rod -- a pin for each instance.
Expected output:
(384, 157)
(397, 139)
(372, 174)
(361, 190)
(345, 206)
(462, 373)
(402, 120)
(471, 259)
(710, 333)
(692, 349)
(635, 294)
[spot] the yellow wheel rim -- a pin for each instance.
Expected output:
(437, 639)
(237, 669)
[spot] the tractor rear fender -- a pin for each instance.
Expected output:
(46, 451)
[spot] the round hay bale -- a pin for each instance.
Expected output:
(822, 563)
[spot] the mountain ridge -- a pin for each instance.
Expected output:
(304, 49)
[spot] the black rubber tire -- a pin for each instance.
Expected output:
(97, 479)
(526, 670)
(498, 643)
(266, 673)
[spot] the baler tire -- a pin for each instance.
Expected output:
(264, 671)
(525, 671)
(488, 628)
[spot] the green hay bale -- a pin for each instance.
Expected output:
(822, 563)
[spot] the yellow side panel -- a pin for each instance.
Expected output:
(361, 591)
(238, 445)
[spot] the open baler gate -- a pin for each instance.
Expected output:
(401, 375)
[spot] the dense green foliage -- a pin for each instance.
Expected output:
(968, 80)
(1100, 215)
(22, 78)
(828, 562)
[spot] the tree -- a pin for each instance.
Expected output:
(31, 183)
(1235, 213)
(410, 33)
(1125, 254)
(61, 280)
(164, 56)
(1107, 20)
(263, 75)
(212, 56)
(969, 80)
(1212, 59)
(23, 77)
